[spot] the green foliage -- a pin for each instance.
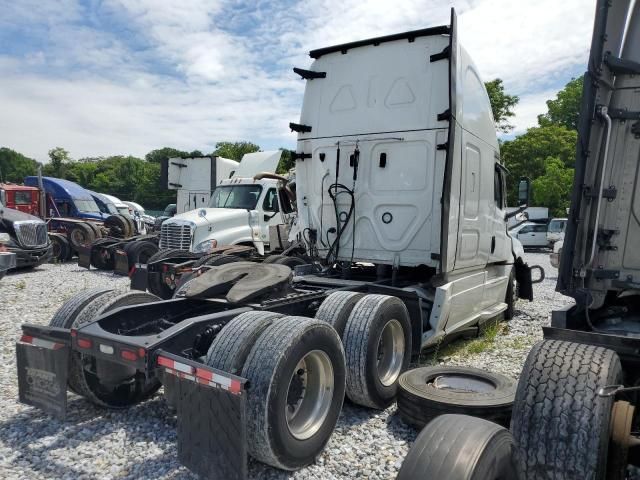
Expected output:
(553, 189)
(565, 108)
(14, 166)
(501, 104)
(157, 156)
(526, 155)
(235, 150)
(286, 161)
(59, 158)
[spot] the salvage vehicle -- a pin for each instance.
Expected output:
(25, 236)
(574, 411)
(555, 230)
(407, 244)
(530, 235)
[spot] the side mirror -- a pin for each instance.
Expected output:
(524, 190)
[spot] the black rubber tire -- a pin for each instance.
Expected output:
(360, 339)
(81, 234)
(67, 313)
(419, 403)
(131, 224)
(140, 252)
(230, 349)
(101, 258)
(60, 246)
(272, 258)
(560, 424)
(86, 383)
(290, 262)
(458, 447)
(217, 260)
(268, 368)
(336, 308)
(96, 229)
(118, 226)
(510, 298)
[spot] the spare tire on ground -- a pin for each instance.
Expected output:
(427, 392)
(81, 234)
(459, 447)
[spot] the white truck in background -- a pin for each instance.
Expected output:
(238, 211)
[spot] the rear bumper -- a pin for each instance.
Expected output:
(31, 257)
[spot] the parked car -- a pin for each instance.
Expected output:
(555, 230)
(531, 235)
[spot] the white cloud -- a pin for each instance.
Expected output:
(200, 71)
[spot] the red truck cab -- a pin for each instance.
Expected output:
(20, 197)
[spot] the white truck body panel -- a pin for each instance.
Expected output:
(257, 162)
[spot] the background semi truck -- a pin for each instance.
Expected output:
(406, 245)
(574, 414)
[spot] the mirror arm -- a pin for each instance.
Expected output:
(518, 210)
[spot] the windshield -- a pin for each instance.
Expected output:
(111, 208)
(87, 206)
(236, 196)
(123, 210)
(556, 226)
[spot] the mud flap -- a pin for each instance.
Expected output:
(212, 427)
(121, 262)
(525, 281)
(84, 256)
(42, 374)
(139, 279)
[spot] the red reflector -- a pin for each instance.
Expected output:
(128, 355)
(26, 339)
(165, 362)
(204, 374)
(74, 333)
(84, 343)
(235, 386)
(142, 352)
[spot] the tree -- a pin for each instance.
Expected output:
(59, 157)
(553, 189)
(234, 150)
(14, 166)
(525, 156)
(157, 156)
(565, 108)
(286, 161)
(501, 104)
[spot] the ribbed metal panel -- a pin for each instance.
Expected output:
(173, 235)
(31, 233)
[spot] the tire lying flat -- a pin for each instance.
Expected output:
(427, 392)
(377, 345)
(458, 447)
(283, 428)
(560, 423)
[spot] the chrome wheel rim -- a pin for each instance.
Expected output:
(390, 352)
(309, 394)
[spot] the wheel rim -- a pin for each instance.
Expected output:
(461, 383)
(309, 394)
(390, 352)
(78, 237)
(57, 249)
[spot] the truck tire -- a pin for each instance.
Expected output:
(60, 246)
(427, 392)
(140, 252)
(296, 373)
(510, 298)
(336, 308)
(130, 223)
(290, 262)
(96, 229)
(67, 313)
(118, 226)
(232, 345)
(101, 257)
(272, 258)
(81, 234)
(377, 345)
(458, 447)
(560, 423)
(216, 260)
(87, 383)
(156, 285)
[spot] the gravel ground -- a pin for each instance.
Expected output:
(141, 442)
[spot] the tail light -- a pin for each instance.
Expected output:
(84, 343)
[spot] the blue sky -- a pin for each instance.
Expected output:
(102, 77)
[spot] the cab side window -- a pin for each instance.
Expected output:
(525, 230)
(540, 228)
(270, 203)
(498, 188)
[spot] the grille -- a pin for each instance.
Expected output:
(31, 233)
(175, 235)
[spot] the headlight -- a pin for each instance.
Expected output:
(206, 246)
(5, 238)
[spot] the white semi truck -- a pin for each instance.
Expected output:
(401, 207)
